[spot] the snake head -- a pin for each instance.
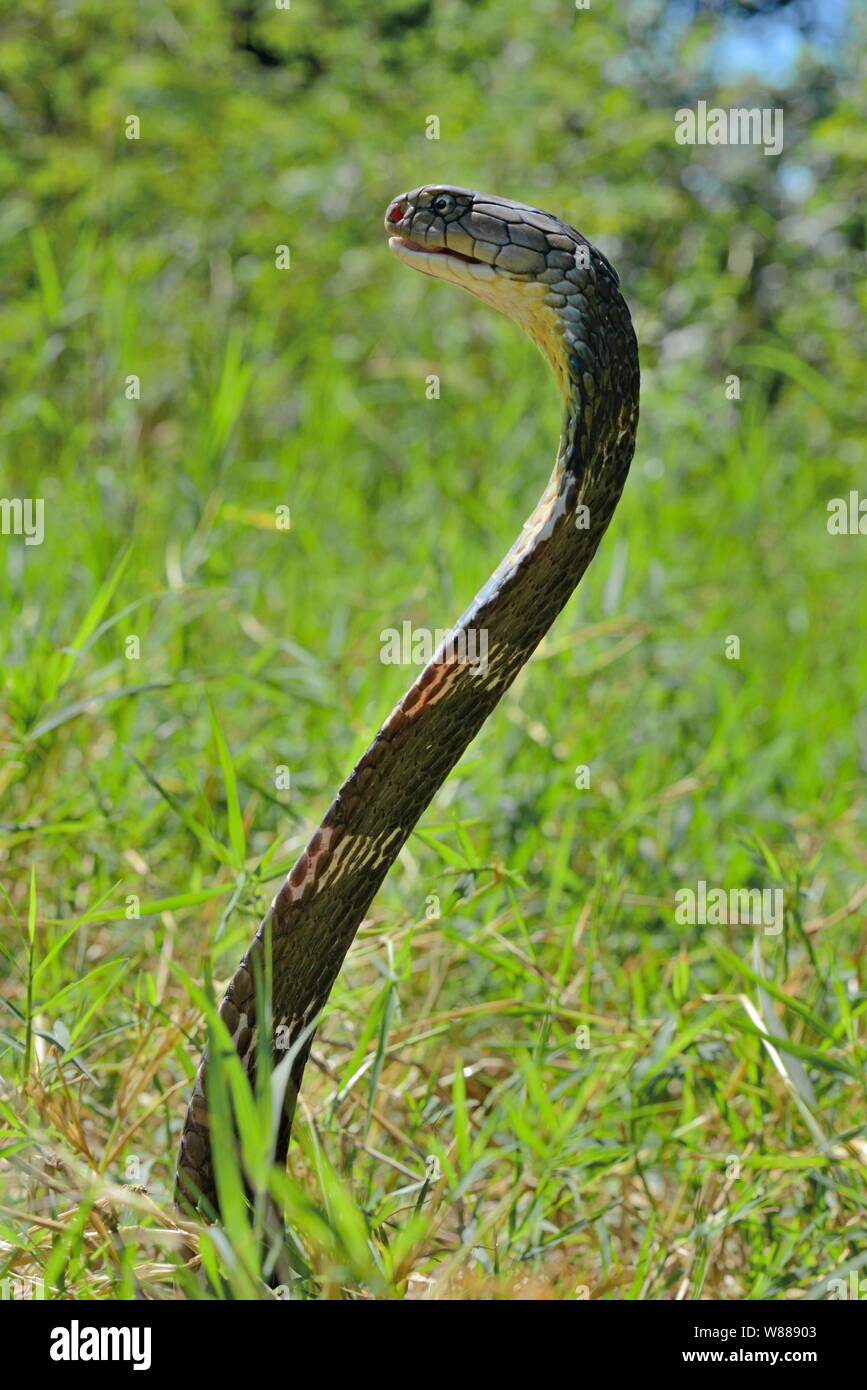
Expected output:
(522, 261)
(454, 233)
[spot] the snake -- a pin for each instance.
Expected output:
(565, 295)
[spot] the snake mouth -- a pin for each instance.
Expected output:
(406, 244)
(442, 262)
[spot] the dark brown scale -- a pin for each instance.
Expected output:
(317, 912)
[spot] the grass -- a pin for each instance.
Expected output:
(551, 1089)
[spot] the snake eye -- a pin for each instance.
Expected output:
(442, 203)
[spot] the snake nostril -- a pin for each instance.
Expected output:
(397, 211)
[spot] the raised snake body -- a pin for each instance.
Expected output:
(565, 295)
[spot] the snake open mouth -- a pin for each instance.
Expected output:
(409, 245)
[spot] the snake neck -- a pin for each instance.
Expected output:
(582, 326)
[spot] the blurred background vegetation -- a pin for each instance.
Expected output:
(603, 1169)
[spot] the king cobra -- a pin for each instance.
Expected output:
(565, 295)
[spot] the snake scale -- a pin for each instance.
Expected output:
(565, 295)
